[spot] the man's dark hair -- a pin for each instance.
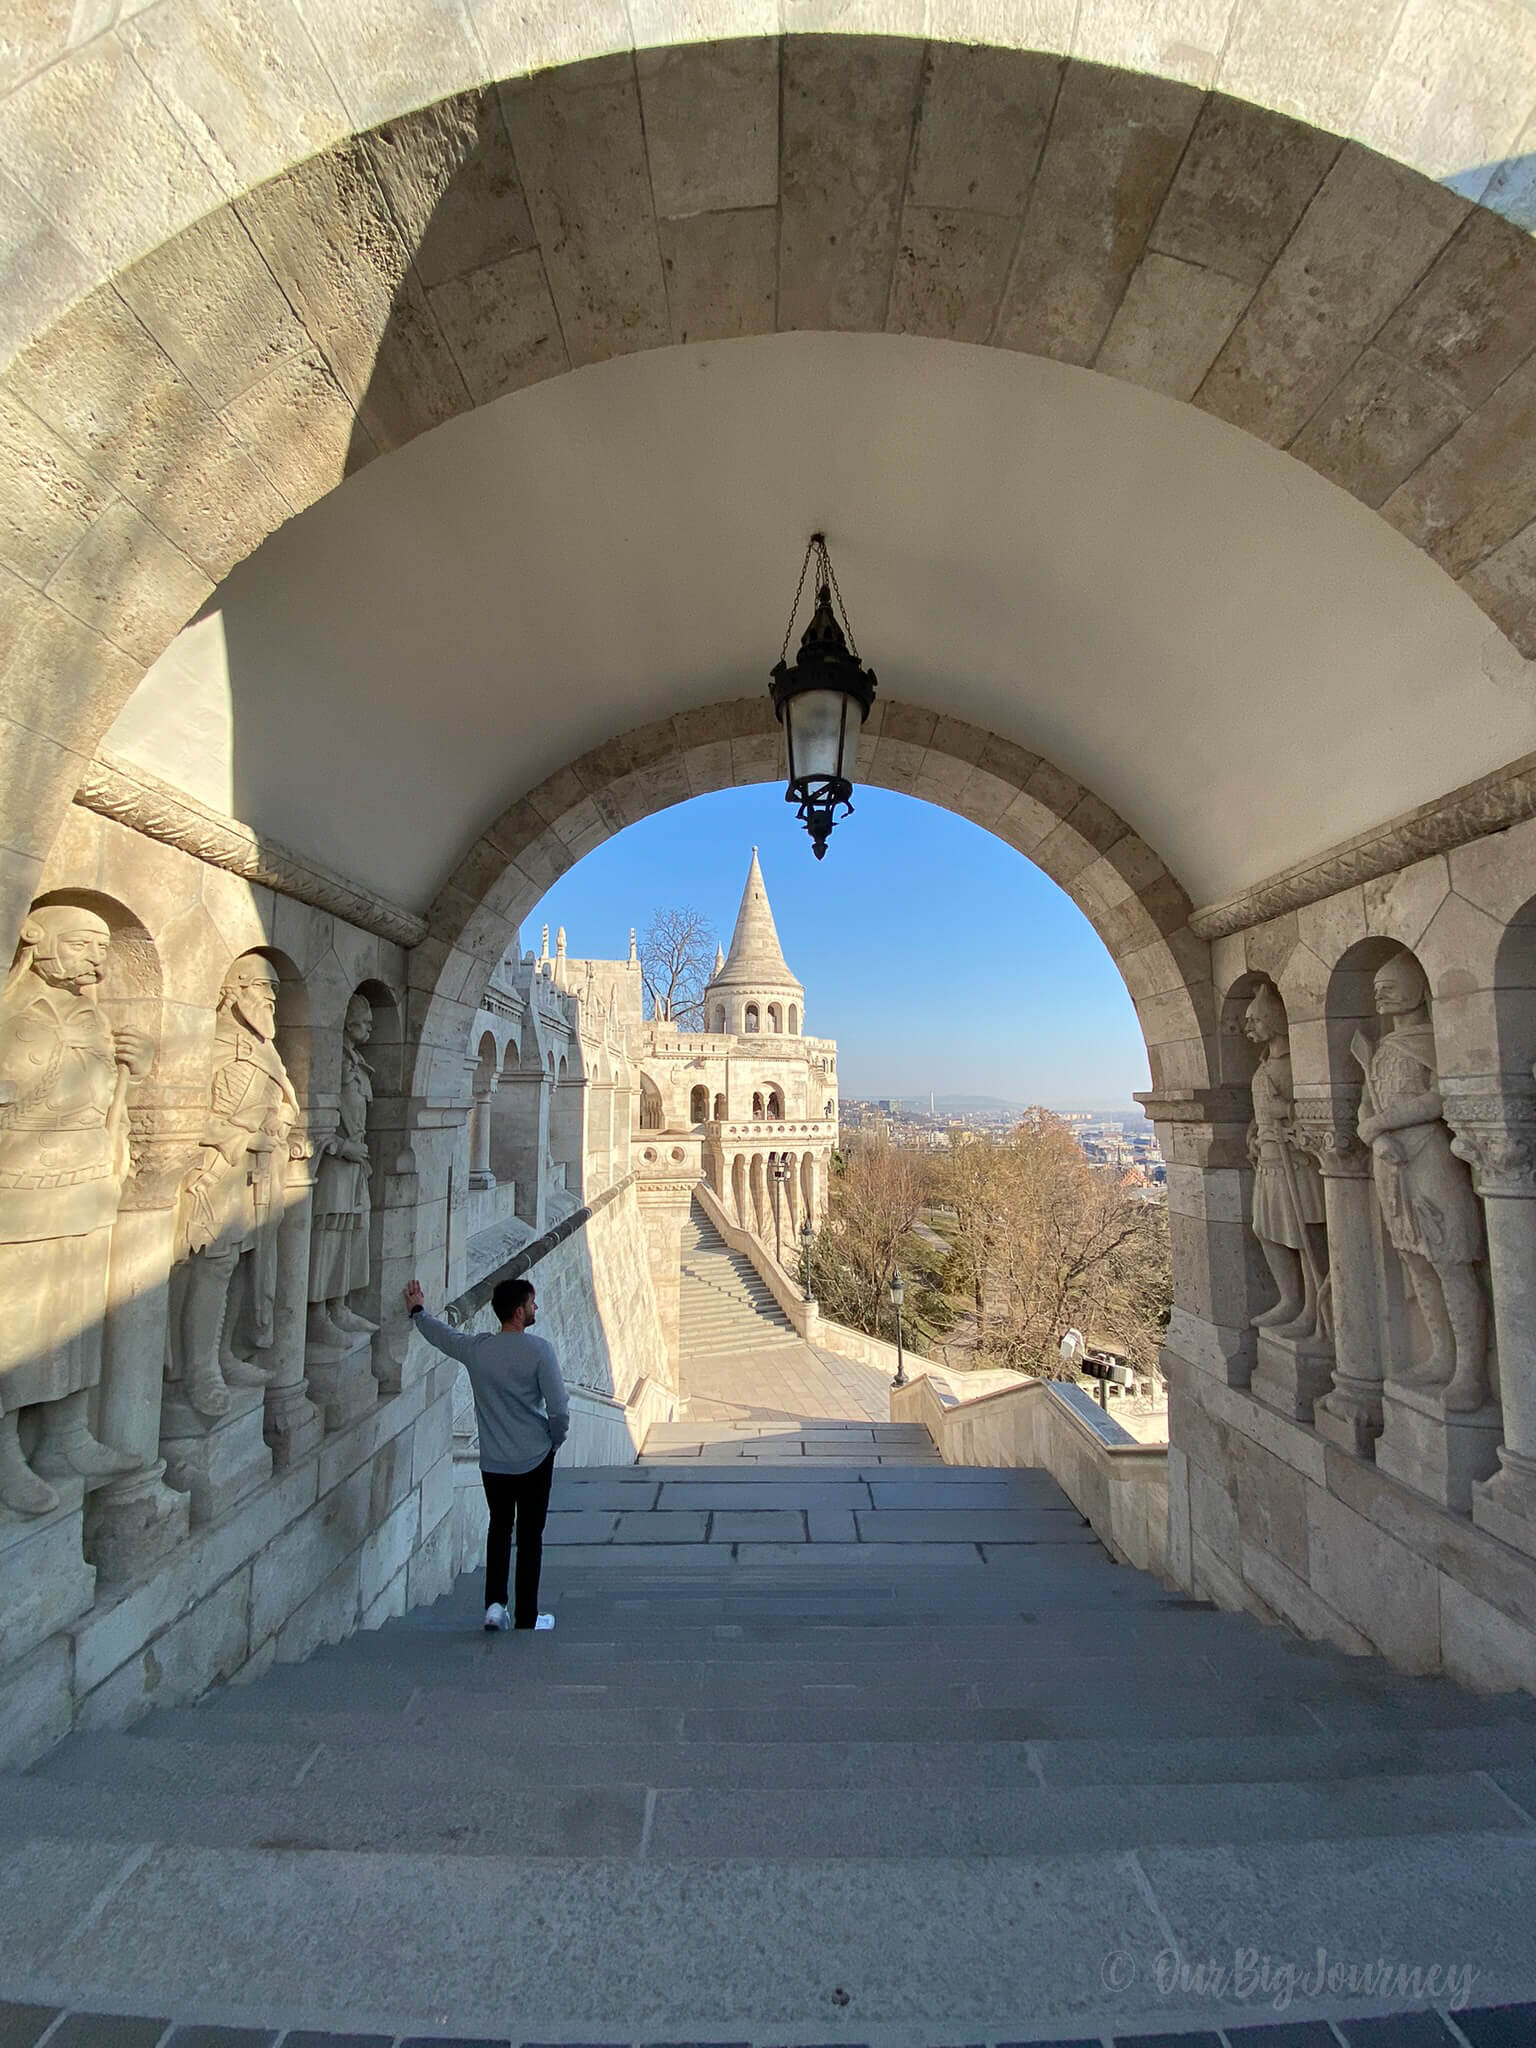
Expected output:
(508, 1298)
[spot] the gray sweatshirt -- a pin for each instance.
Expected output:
(521, 1409)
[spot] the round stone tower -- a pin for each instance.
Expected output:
(753, 990)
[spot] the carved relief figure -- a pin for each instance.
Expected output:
(225, 1285)
(338, 1244)
(1287, 1187)
(63, 1159)
(1431, 1213)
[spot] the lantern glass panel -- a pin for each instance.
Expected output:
(823, 738)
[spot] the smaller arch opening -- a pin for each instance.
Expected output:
(749, 1021)
(775, 1106)
(757, 1106)
(651, 1117)
(698, 1106)
(775, 1019)
(719, 1109)
(794, 1021)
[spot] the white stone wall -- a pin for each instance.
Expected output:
(359, 1530)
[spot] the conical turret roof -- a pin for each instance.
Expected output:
(756, 959)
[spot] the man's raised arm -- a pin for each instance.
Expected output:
(441, 1336)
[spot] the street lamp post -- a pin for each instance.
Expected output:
(780, 1180)
(806, 1234)
(898, 1295)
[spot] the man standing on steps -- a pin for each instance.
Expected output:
(522, 1414)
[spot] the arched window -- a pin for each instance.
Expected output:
(698, 1106)
(775, 1106)
(749, 1022)
(651, 1118)
(719, 1109)
(830, 1110)
(757, 1108)
(775, 1018)
(719, 1016)
(794, 1021)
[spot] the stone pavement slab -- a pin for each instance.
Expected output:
(661, 1525)
(758, 1525)
(972, 1525)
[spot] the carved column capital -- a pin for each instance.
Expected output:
(164, 1141)
(1325, 1128)
(1495, 1133)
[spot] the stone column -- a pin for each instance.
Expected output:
(130, 1523)
(481, 1177)
(1203, 1133)
(664, 1205)
(1350, 1413)
(293, 1425)
(1496, 1135)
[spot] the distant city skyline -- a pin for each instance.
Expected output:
(940, 960)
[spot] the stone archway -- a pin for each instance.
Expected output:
(1137, 907)
(402, 275)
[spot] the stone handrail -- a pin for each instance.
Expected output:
(819, 1130)
(1118, 1485)
(805, 1315)
(464, 1307)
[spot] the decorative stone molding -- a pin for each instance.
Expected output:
(1326, 1128)
(1496, 1136)
(1491, 804)
(133, 797)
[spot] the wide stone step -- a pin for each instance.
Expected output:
(920, 1946)
(496, 1805)
(173, 1752)
(1145, 1713)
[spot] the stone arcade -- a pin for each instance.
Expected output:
(1169, 403)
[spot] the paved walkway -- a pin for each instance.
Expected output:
(829, 1747)
(790, 1383)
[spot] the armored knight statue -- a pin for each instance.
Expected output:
(225, 1283)
(1288, 1209)
(64, 1075)
(1427, 1202)
(338, 1244)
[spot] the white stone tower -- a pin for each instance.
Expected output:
(753, 990)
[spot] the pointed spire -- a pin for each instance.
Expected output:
(719, 958)
(633, 953)
(544, 947)
(756, 958)
(560, 943)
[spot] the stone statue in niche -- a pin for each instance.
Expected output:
(1427, 1202)
(225, 1284)
(338, 1243)
(1288, 1209)
(64, 1074)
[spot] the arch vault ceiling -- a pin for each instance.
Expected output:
(1243, 661)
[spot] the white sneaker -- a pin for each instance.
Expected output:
(496, 1616)
(544, 1621)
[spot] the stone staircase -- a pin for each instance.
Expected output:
(826, 1747)
(724, 1307)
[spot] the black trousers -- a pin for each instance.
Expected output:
(519, 1502)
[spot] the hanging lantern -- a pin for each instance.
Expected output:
(821, 702)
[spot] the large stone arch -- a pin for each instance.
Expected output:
(1122, 886)
(210, 369)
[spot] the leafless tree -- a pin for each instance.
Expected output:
(677, 956)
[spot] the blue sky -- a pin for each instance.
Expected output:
(936, 956)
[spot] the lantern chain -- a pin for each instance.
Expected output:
(818, 547)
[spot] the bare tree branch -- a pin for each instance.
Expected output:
(677, 956)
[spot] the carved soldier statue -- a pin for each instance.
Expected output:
(224, 1288)
(1287, 1187)
(1427, 1202)
(63, 1159)
(338, 1244)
